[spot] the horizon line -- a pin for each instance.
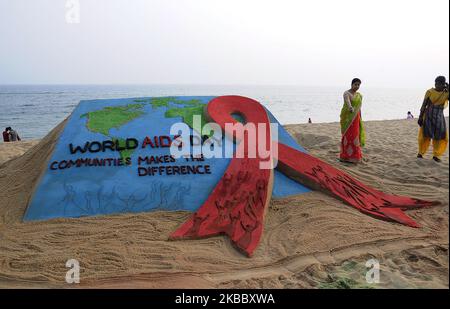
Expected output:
(205, 84)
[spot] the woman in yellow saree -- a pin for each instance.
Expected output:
(352, 129)
(432, 120)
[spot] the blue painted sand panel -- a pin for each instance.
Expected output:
(86, 191)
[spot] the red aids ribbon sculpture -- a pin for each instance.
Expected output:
(238, 203)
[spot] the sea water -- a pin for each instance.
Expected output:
(34, 110)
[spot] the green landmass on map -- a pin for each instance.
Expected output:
(124, 153)
(166, 101)
(191, 108)
(103, 120)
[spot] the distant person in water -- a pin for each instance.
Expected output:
(432, 120)
(13, 135)
(352, 129)
(6, 134)
(309, 120)
(409, 116)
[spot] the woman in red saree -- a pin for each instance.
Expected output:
(352, 129)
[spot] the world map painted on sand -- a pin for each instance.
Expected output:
(108, 181)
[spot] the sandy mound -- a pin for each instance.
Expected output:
(10, 151)
(310, 240)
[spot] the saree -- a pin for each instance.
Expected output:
(433, 123)
(352, 129)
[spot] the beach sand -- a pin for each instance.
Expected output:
(309, 241)
(13, 150)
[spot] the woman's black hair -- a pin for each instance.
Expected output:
(440, 80)
(356, 80)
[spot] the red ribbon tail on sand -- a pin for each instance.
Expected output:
(320, 175)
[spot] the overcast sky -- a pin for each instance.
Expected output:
(388, 43)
